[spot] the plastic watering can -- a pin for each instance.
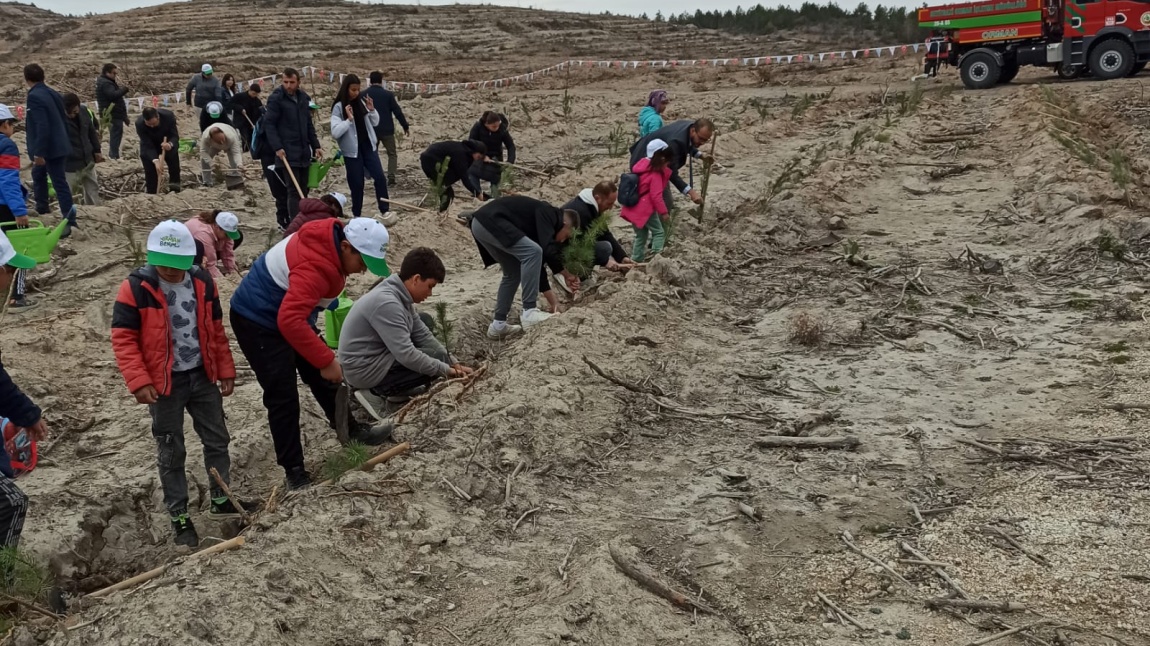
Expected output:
(318, 170)
(37, 241)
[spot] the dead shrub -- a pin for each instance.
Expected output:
(807, 330)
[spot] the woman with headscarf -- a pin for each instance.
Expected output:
(651, 116)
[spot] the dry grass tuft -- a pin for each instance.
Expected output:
(807, 330)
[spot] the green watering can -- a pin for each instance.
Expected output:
(318, 170)
(37, 241)
(333, 320)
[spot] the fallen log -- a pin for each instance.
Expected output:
(788, 442)
(975, 604)
(651, 583)
(151, 574)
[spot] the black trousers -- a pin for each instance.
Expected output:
(152, 179)
(278, 184)
(301, 173)
(276, 365)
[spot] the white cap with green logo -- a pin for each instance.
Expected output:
(370, 239)
(170, 244)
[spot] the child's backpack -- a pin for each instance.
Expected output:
(629, 189)
(259, 139)
(21, 448)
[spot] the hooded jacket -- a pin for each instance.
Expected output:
(207, 89)
(678, 138)
(383, 329)
(584, 204)
(310, 210)
(47, 136)
(109, 93)
(511, 218)
(285, 286)
(288, 126)
(652, 183)
(214, 248)
(460, 153)
(85, 140)
(11, 190)
(142, 335)
(152, 138)
(495, 141)
(345, 134)
(649, 120)
(19, 409)
(388, 107)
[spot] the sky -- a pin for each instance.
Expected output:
(631, 7)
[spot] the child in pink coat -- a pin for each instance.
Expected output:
(218, 233)
(647, 217)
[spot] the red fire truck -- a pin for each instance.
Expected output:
(989, 40)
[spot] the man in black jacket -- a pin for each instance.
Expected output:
(247, 108)
(159, 141)
(387, 107)
(458, 156)
(80, 167)
(524, 236)
(20, 410)
(110, 93)
(590, 204)
(684, 139)
(493, 129)
(291, 134)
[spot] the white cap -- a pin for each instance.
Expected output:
(655, 146)
(6, 113)
(170, 244)
(341, 198)
(370, 239)
(206, 68)
(215, 109)
(228, 221)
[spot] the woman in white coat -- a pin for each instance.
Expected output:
(353, 122)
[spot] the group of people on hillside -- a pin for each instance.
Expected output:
(167, 330)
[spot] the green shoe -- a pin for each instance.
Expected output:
(185, 531)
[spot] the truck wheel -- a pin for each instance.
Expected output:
(1138, 67)
(1068, 72)
(1009, 71)
(980, 71)
(1112, 59)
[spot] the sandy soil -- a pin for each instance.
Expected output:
(975, 280)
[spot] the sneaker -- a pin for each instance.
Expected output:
(185, 531)
(405, 396)
(372, 435)
(223, 508)
(388, 219)
(20, 303)
(533, 317)
(371, 402)
(501, 330)
(298, 478)
(391, 180)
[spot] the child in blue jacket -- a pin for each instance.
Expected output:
(13, 207)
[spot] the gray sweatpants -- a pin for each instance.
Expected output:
(522, 263)
(191, 391)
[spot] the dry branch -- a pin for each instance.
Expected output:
(228, 492)
(975, 604)
(651, 583)
(938, 324)
(849, 540)
(842, 613)
(1008, 633)
(785, 442)
(633, 387)
(151, 574)
(937, 570)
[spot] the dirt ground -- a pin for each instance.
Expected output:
(952, 279)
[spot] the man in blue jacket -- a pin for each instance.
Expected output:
(388, 107)
(48, 143)
(17, 408)
(291, 134)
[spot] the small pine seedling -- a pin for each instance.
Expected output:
(350, 457)
(444, 328)
(579, 252)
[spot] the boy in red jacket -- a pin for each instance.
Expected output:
(168, 336)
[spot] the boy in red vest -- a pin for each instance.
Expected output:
(170, 344)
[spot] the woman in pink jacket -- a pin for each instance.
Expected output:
(649, 214)
(218, 232)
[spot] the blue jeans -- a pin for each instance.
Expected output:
(115, 136)
(357, 169)
(54, 168)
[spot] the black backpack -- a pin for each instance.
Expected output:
(259, 139)
(629, 189)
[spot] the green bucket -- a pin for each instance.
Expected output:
(36, 241)
(187, 145)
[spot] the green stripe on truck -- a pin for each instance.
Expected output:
(985, 21)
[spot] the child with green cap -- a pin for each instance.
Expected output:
(170, 345)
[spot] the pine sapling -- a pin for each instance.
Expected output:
(106, 119)
(444, 327)
(437, 187)
(351, 456)
(579, 253)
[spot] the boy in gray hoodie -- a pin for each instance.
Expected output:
(384, 345)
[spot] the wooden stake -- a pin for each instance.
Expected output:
(294, 181)
(646, 578)
(378, 459)
(151, 574)
(228, 492)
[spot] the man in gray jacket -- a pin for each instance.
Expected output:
(384, 345)
(206, 87)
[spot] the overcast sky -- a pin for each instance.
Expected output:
(633, 7)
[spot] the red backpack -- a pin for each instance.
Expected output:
(21, 448)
